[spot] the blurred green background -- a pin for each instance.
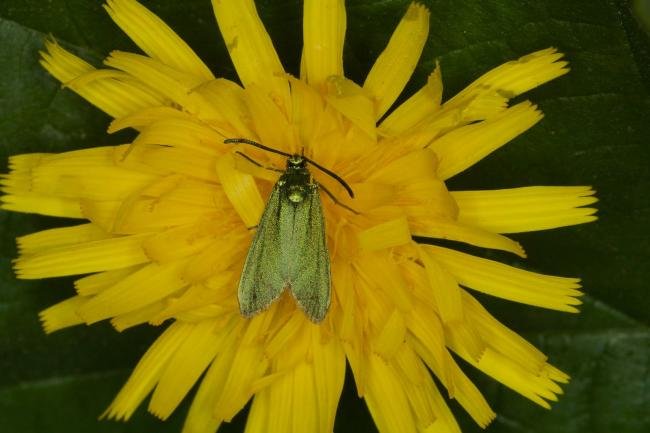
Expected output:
(596, 132)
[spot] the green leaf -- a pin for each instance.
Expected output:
(595, 132)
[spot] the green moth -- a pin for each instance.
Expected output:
(289, 249)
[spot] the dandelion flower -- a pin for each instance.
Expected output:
(164, 224)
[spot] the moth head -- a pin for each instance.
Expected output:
(296, 161)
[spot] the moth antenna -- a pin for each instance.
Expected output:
(256, 144)
(248, 158)
(335, 200)
(330, 173)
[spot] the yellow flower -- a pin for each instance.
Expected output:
(164, 221)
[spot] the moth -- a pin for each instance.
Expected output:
(289, 250)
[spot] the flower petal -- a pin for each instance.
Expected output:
(392, 415)
(114, 93)
(250, 46)
(424, 103)
(526, 209)
(385, 235)
(324, 23)
(155, 37)
(518, 76)
(269, 121)
(353, 102)
(241, 191)
(536, 387)
(83, 258)
(57, 237)
(62, 314)
(95, 283)
(189, 361)
(504, 281)
(464, 147)
(502, 339)
(439, 228)
(247, 365)
(145, 286)
(177, 86)
(396, 63)
(445, 290)
(148, 371)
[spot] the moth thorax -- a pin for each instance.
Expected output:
(296, 193)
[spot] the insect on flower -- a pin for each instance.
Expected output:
(289, 250)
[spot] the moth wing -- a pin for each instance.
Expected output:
(308, 264)
(261, 283)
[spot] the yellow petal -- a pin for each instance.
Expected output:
(504, 281)
(444, 288)
(241, 191)
(42, 204)
(418, 386)
(270, 122)
(445, 421)
(183, 369)
(329, 374)
(465, 146)
(415, 166)
(426, 336)
(182, 134)
(526, 209)
(185, 162)
(229, 98)
(51, 238)
(175, 85)
(145, 286)
(248, 365)
(518, 76)
(155, 38)
(385, 274)
(391, 337)
(216, 257)
(392, 415)
(220, 289)
(353, 102)
(385, 235)
(470, 398)
(183, 241)
(62, 314)
(115, 96)
(199, 418)
(396, 63)
(415, 109)
(250, 46)
(146, 117)
(95, 283)
(463, 336)
(323, 30)
(137, 317)
(502, 339)
(148, 371)
(87, 178)
(446, 229)
(93, 256)
(537, 388)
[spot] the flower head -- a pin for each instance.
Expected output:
(165, 224)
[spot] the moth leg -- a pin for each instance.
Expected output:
(335, 200)
(248, 158)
